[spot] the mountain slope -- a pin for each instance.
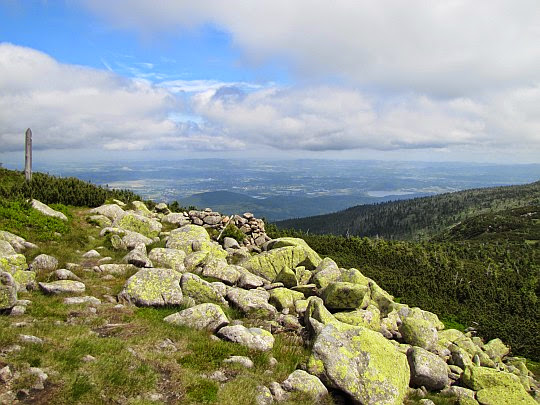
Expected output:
(418, 217)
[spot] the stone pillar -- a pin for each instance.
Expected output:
(28, 155)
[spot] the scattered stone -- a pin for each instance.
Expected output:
(199, 290)
(91, 254)
(263, 396)
(8, 291)
(48, 211)
(5, 374)
(41, 377)
(82, 300)
(241, 360)
(343, 295)
(272, 362)
(419, 332)
(18, 310)
(253, 338)
(30, 339)
(218, 376)
(111, 211)
(44, 262)
(278, 392)
(301, 381)
(138, 257)
(88, 358)
(170, 258)
(117, 269)
(64, 274)
(202, 317)
(62, 286)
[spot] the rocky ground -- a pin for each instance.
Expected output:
(145, 307)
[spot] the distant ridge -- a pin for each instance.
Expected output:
(418, 217)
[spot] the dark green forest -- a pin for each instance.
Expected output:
(57, 190)
(418, 218)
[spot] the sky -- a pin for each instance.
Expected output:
(171, 79)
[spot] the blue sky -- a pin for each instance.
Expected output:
(352, 79)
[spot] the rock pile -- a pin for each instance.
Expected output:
(364, 344)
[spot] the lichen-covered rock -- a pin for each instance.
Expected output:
(418, 332)
(269, 264)
(138, 257)
(194, 260)
(317, 312)
(100, 220)
(176, 218)
(405, 312)
(48, 211)
(283, 298)
(303, 275)
(8, 291)
(312, 257)
(361, 363)
(253, 338)
(62, 287)
(287, 277)
(504, 396)
(138, 223)
(111, 211)
(251, 301)
(18, 243)
(91, 254)
(427, 369)
(6, 249)
(199, 290)
(326, 272)
(301, 381)
(249, 280)
(194, 238)
(496, 349)
(170, 258)
(478, 378)
(369, 317)
(353, 276)
(142, 209)
(343, 295)
(153, 287)
(381, 298)
(219, 269)
(132, 239)
(45, 263)
(202, 317)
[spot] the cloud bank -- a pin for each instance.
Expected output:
(71, 107)
(450, 48)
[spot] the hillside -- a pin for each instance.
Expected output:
(135, 304)
(280, 207)
(419, 217)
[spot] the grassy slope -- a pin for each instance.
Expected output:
(126, 343)
(419, 217)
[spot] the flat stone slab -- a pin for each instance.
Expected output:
(62, 286)
(48, 211)
(82, 300)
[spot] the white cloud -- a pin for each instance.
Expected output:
(71, 106)
(450, 48)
